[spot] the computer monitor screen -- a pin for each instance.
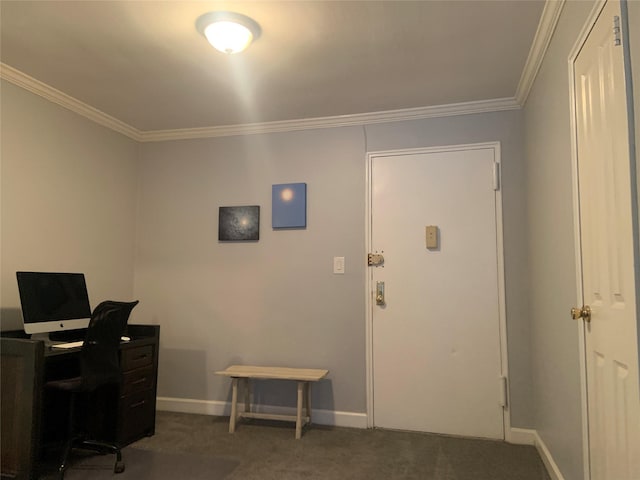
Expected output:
(53, 301)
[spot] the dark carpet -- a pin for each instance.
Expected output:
(195, 447)
(151, 465)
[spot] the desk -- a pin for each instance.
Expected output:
(26, 365)
(301, 375)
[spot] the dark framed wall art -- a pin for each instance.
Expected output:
(239, 223)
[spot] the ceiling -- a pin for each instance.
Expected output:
(144, 63)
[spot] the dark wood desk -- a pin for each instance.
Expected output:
(29, 415)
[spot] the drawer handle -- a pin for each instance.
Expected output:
(140, 357)
(138, 404)
(139, 381)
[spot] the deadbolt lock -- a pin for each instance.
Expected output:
(584, 313)
(375, 259)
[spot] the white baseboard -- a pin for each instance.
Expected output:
(547, 459)
(526, 436)
(213, 407)
(520, 436)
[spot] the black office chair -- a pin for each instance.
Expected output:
(99, 365)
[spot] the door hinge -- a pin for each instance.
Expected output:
(503, 391)
(617, 40)
(496, 176)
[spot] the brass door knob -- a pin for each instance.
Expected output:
(584, 312)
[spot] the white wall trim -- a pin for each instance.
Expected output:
(578, 261)
(47, 92)
(500, 267)
(541, 41)
(552, 467)
(502, 297)
(584, 32)
(37, 87)
(466, 108)
(525, 436)
(520, 436)
(546, 27)
(582, 37)
(218, 408)
(368, 293)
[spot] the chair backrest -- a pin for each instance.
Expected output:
(99, 359)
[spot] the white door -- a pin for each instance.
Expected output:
(436, 355)
(607, 253)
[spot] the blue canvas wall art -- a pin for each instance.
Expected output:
(289, 205)
(239, 223)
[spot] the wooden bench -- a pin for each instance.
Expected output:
(304, 377)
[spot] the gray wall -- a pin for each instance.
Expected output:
(555, 338)
(68, 193)
(141, 221)
(68, 202)
(277, 301)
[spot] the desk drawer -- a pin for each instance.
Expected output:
(137, 357)
(136, 417)
(138, 380)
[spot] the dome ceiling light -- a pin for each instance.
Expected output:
(228, 32)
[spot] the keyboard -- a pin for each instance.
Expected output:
(68, 345)
(79, 343)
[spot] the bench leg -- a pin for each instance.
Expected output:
(299, 412)
(308, 399)
(247, 395)
(234, 405)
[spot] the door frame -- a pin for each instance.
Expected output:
(495, 146)
(573, 55)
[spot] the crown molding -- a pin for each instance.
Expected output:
(466, 108)
(541, 41)
(37, 87)
(56, 96)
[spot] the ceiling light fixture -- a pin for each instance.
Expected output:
(228, 32)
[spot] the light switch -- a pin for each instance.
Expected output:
(338, 265)
(432, 236)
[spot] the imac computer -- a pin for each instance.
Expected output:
(53, 302)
